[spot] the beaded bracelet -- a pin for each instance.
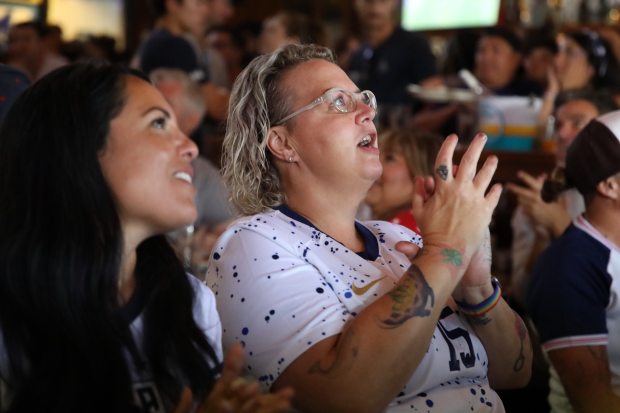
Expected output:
(480, 309)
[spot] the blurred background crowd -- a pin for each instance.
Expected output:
(531, 73)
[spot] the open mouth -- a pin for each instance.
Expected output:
(365, 142)
(183, 176)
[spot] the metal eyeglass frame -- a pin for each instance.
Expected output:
(365, 96)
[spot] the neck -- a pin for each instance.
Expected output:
(127, 271)
(604, 215)
(329, 216)
(377, 35)
(126, 276)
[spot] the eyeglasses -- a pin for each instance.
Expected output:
(339, 100)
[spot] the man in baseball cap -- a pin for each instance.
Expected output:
(573, 297)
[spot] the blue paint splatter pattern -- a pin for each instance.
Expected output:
(299, 286)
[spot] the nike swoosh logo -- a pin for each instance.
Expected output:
(364, 289)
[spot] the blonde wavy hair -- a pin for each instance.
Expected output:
(257, 101)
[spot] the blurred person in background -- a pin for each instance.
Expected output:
(389, 59)
(581, 65)
(288, 27)
(27, 50)
(404, 154)
(499, 64)
(214, 209)
(573, 296)
(176, 43)
(220, 12)
(538, 55)
(536, 223)
(229, 44)
(12, 83)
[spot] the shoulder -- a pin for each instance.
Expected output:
(257, 234)
(204, 302)
(205, 314)
(570, 287)
(161, 37)
(560, 264)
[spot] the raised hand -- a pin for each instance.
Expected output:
(455, 210)
(553, 216)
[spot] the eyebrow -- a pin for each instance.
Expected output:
(164, 111)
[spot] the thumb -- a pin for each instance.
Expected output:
(408, 248)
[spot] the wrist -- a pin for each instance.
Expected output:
(479, 301)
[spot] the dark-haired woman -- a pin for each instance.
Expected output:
(580, 66)
(96, 311)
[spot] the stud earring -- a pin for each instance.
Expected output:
(290, 159)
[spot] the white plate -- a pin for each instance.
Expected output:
(442, 94)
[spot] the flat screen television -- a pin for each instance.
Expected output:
(448, 14)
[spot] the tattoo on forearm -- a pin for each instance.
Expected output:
(442, 171)
(479, 321)
(452, 256)
(522, 333)
(412, 297)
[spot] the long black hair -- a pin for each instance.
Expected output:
(65, 334)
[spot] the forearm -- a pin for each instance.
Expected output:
(585, 376)
(507, 343)
(384, 344)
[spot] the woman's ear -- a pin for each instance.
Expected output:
(279, 144)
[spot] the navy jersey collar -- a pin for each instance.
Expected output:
(371, 246)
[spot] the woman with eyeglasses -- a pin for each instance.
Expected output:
(334, 307)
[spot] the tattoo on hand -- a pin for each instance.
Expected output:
(452, 256)
(412, 297)
(442, 171)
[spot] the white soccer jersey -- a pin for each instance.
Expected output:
(282, 286)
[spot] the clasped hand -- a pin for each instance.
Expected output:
(453, 208)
